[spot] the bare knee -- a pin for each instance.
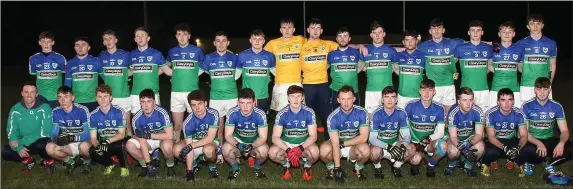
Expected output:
(262, 151)
(210, 151)
(84, 147)
(50, 148)
(416, 159)
(166, 147)
(276, 154)
(375, 154)
(326, 151)
(228, 150)
(177, 148)
(312, 153)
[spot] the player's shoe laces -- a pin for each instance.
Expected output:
(470, 172)
(233, 174)
(286, 173)
(485, 170)
(124, 172)
(170, 171)
(151, 173)
(509, 165)
(307, 174)
(494, 165)
(431, 171)
(528, 169)
(449, 171)
(143, 172)
(359, 174)
(259, 173)
(49, 166)
(415, 170)
(108, 169)
(396, 172)
(190, 176)
(28, 164)
(329, 174)
(214, 173)
(87, 169)
(378, 173)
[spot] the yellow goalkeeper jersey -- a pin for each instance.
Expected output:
(314, 60)
(287, 53)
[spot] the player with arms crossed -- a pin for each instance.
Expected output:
(48, 66)
(344, 67)
(152, 129)
(426, 123)
(115, 68)
(294, 135)
(82, 74)
(542, 114)
(348, 130)
(410, 69)
(506, 133)
(107, 132)
(257, 64)
(390, 135)
(246, 135)
(475, 56)
(185, 59)
(539, 57)
(441, 63)
(465, 133)
(200, 132)
(70, 132)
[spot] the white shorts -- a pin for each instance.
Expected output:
(123, 103)
(179, 102)
(75, 147)
(493, 99)
(223, 106)
(199, 151)
(373, 99)
(445, 95)
(481, 99)
(402, 101)
(280, 97)
(136, 105)
(345, 152)
(153, 144)
(527, 93)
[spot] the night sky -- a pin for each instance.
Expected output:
(23, 21)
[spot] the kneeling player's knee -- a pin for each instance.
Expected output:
(210, 151)
(166, 146)
(132, 145)
(441, 147)
(312, 153)
(275, 153)
(50, 148)
(228, 150)
(84, 146)
(375, 154)
(262, 151)
(416, 159)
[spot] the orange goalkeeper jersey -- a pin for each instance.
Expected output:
(287, 53)
(313, 60)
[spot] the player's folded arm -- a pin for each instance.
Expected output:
(312, 136)
(211, 134)
(166, 135)
(263, 131)
(373, 139)
(119, 136)
(276, 137)
(438, 131)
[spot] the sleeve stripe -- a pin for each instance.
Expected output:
(12, 121)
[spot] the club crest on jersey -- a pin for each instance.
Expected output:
(229, 63)
(355, 123)
(77, 121)
(54, 65)
(385, 55)
(265, 62)
(90, 67)
(303, 123)
(351, 58)
(512, 125)
(119, 62)
(191, 55)
(157, 124)
(536, 50)
(551, 114)
(545, 49)
(296, 46)
(418, 61)
(515, 57)
(484, 53)
(432, 118)
(149, 58)
(447, 50)
(323, 48)
(113, 122)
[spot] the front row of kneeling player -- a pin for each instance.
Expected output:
(398, 135)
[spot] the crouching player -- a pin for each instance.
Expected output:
(348, 130)
(506, 133)
(389, 135)
(200, 135)
(294, 135)
(107, 132)
(152, 129)
(465, 133)
(246, 135)
(70, 133)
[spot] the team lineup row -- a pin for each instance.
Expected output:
(472, 139)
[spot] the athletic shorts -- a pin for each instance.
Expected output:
(179, 102)
(528, 93)
(373, 99)
(280, 97)
(345, 152)
(153, 144)
(402, 101)
(136, 105)
(493, 99)
(199, 151)
(445, 95)
(75, 147)
(481, 99)
(123, 103)
(223, 106)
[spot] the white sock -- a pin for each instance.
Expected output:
(377, 165)
(398, 164)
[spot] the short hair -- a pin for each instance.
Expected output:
(197, 95)
(257, 32)
(103, 88)
(375, 25)
(345, 89)
(342, 30)
(411, 33)
(535, 17)
(182, 27)
(287, 20)
(141, 29)
(82, 38)
(476, 23)
(64, 89)
(427, 83)
(389, 90)
(147, 93)
(295, 89)
(109, 32)
(246, 93)
(542, 82)
(504, 91)
(507, 24)
(436, 22)
(314, 21)
(466, 91)
(29, 83)
(221, 33)
(46, 35)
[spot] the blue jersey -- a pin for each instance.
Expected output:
(424, 121)
(222, 72)
(185, 63)
(48, 70)
(343, 68)
(107, 124)
(378, 65)
(82, 76)
(411, 73)
(256, 69)
(386, 126)
(505, 126)
(74, 122)
(246, 127)
(440, 61)
(115, 72)
(295, 125)
(145, 65)
(155, 123)
(464, 122)
(542, 118)
(536, 58)
(474, 64)
(198, 128)
(347, 125)
(505, 63)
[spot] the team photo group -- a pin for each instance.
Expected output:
(72, 120)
